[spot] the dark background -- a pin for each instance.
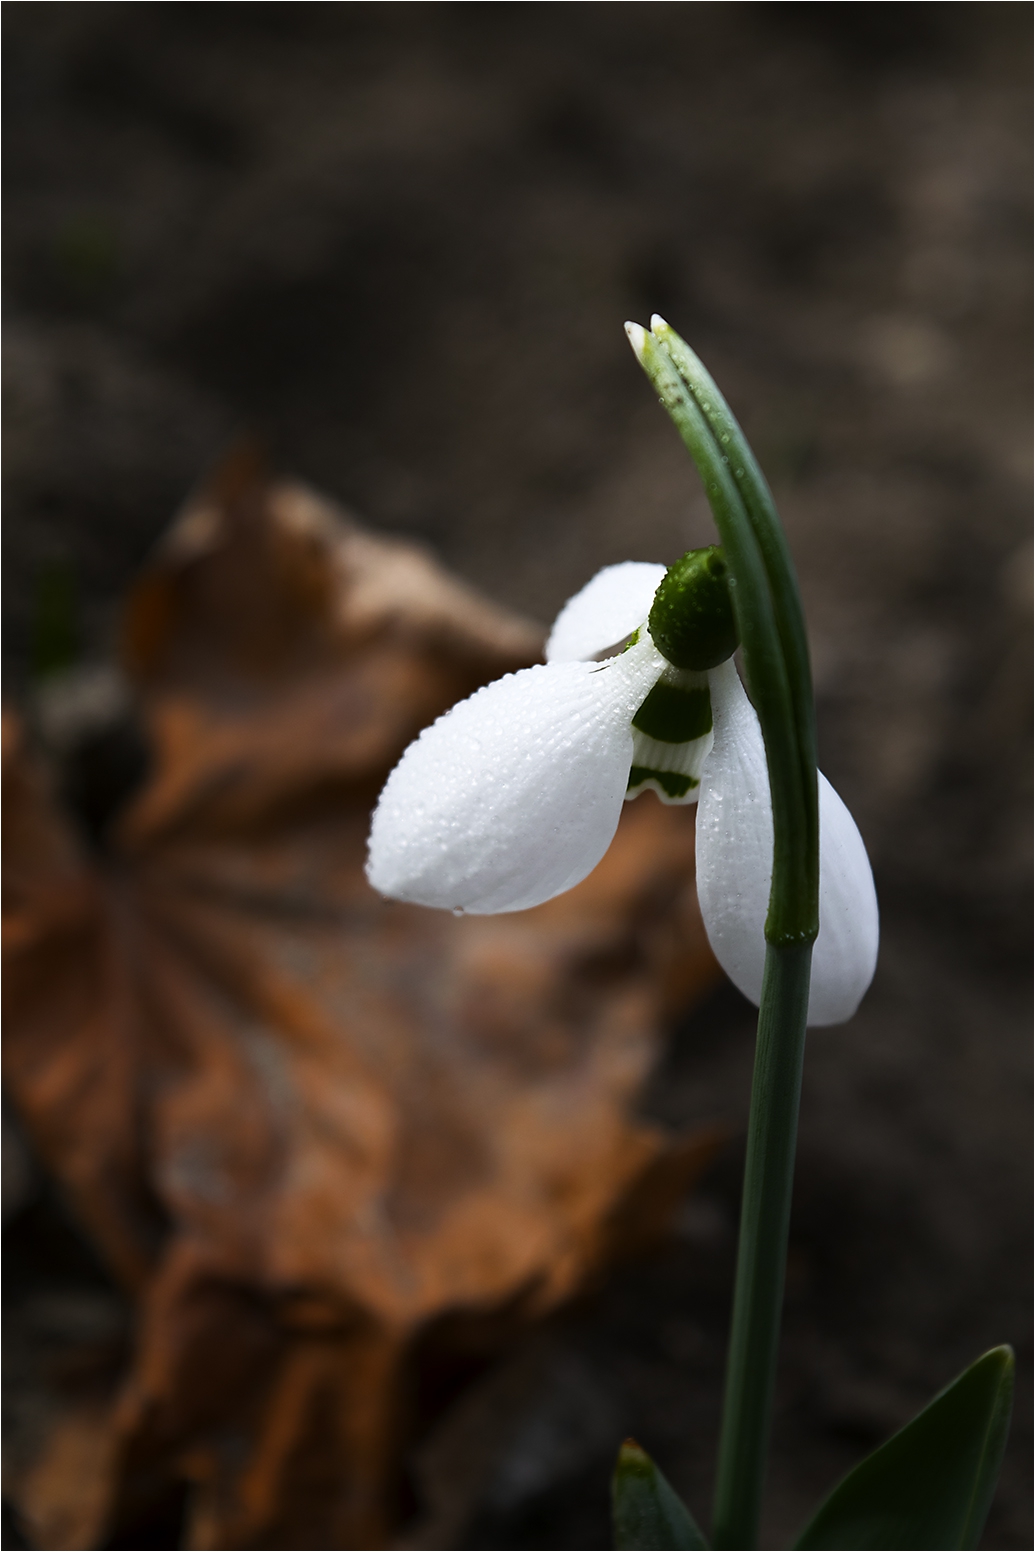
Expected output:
(398, 243)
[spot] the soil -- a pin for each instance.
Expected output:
(396, 243)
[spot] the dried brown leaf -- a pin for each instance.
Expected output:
(304, 1125)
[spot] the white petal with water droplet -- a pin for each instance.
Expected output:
(514, 795)
(735, 860)
(845, 955)
(608, 609)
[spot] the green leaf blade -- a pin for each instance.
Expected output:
(782, 710)
(761, 510)
(930, 1486)
(647, 1511)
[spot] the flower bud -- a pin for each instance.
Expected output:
(691, 620)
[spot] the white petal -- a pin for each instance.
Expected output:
(514, 795)
(845, 955)
(608, 609)
(735, 860)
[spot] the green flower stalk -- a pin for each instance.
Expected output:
(515, 795)
(776, 662)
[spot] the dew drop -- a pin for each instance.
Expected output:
(458, 910)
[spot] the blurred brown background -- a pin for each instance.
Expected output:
(397, 244)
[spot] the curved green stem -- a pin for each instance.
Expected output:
(768, 530)
(776, 662)
(771, 625)
(762, 1251)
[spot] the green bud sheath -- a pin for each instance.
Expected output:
(691, 620)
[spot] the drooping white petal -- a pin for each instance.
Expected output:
(735, 861)
(845, 955)
(609, 608)
(735, 835)
(514, 795)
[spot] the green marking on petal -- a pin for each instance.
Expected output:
(674, 715)
(672, 782)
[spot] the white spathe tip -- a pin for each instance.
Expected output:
(657, 322)
(637, 336)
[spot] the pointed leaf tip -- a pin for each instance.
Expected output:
(647, 1511)
(657, 322)
(931, 1485)
(637, 336)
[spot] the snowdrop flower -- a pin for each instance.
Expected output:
(514, 795)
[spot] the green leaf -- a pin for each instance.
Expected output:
(931, 1485)
(647, 1511)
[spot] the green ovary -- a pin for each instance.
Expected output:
(691, 619)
